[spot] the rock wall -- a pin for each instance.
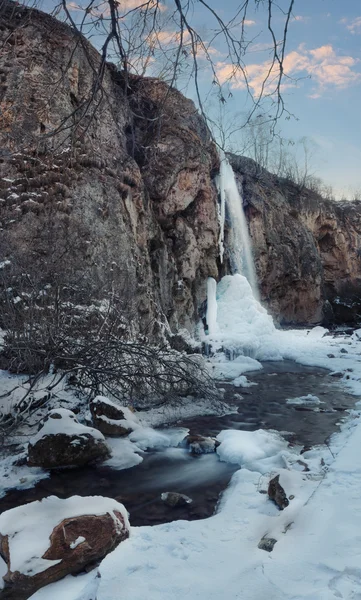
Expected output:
(307, 249)
(106, 189)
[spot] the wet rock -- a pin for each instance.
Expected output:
(277, 493)
(267, 544)
(344, 351)
(63, 442)
(330, 356)
(109, 418)
(173, 499)
(199, 444)
(71, 544)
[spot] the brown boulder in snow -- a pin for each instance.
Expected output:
(63, 442)
(110, 418)
(64, 544)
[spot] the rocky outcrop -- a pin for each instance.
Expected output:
(103, 191)
(277, 493)
(109, 418)
(63, 442)
(45, 541)
(307, 249)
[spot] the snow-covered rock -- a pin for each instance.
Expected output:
(44, 541)
(199, 444)
(174, 499)
(63, 442)
(110, 418)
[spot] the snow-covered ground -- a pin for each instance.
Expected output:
(318, 549)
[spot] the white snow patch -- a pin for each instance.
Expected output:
(67, 424)
(305, 400)
(79, 540)
(81, 587)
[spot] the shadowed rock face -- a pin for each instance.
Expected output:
(121, 199)
(121, 196)
(307, 250)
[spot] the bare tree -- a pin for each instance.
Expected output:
(164, 40)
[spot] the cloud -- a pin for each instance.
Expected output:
(248, 23)
(323, 65)
(301, 19)
(355, 26)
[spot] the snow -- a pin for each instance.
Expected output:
(67, 425)
(124, 454)
(29, 527)
(248, 448)
(316, 557)
(146, 437)
(242, 381)
(308, 400)
(211, 316)
(82, 587)
(13, 477)
(79, 540)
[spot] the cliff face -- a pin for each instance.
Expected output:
(108, 191)
(307, 250)
(111, 192)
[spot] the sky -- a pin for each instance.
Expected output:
(323, 56)
(322, 65)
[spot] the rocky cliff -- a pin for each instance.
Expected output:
(105, 188)
(307, 249)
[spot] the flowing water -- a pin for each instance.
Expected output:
(204, 477)
(240, 244)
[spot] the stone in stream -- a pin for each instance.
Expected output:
(173, 499)
(199, 444)
(111, 419)
(267, 544)
(45, 541)
(63, 442)
(277, 493)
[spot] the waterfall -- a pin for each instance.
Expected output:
(241, 247)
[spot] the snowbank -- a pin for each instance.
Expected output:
(66, 423)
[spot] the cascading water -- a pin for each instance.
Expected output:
(241, 247)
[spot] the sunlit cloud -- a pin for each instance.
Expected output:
(323, 65)
(248, 23)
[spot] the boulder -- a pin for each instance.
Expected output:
(173, 499)
(111, 419)
(63, 442)
(267, 544)
(198, 444)
(277, 493)
(46, 540)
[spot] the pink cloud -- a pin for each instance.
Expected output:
(325, 67)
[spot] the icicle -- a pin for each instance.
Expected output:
(211, 315)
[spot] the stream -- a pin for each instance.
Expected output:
(204, 477)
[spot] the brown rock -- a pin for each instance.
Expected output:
(63, 442)
(277, 493)
(108, 417)
(174, 499)
(78, 543)
(199, 444)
